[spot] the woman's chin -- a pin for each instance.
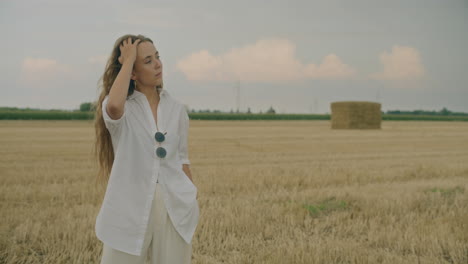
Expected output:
(158, 82)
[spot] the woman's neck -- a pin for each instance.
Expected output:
(151, 94)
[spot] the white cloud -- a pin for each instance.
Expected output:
(36, 71)
(264, 61)
(402, 63)
(330, 68)
(99, 59)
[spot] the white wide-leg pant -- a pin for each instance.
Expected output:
(166, 247)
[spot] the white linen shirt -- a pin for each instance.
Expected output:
(124, 215)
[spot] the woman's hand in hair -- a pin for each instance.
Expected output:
(128, 50)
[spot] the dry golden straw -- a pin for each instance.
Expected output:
(270, 192)
(356, 115)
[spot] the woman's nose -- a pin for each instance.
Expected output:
(158, 64)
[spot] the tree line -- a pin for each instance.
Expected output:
(89, 107)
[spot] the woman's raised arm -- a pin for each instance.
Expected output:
(119, 89)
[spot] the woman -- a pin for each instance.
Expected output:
(150, 209)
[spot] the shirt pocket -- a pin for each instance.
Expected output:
(187, 179)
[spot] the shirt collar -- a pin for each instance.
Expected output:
(166, 107)
(137, 93)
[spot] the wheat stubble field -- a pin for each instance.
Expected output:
(269, 192)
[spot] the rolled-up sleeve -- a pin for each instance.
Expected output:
(184, 129)
(113, 125)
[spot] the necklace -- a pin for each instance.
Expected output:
(159, 136)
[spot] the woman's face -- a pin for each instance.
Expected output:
(148, 67)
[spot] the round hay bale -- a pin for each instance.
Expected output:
(356, 115)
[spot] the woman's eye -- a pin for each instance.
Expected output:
(150, 60)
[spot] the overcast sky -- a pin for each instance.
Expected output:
(296, 56)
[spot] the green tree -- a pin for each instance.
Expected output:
(85, 107)
(271, 110)
(444, 111)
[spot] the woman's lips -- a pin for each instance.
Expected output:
(159, 74)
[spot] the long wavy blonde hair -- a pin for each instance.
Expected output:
(103, 150)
